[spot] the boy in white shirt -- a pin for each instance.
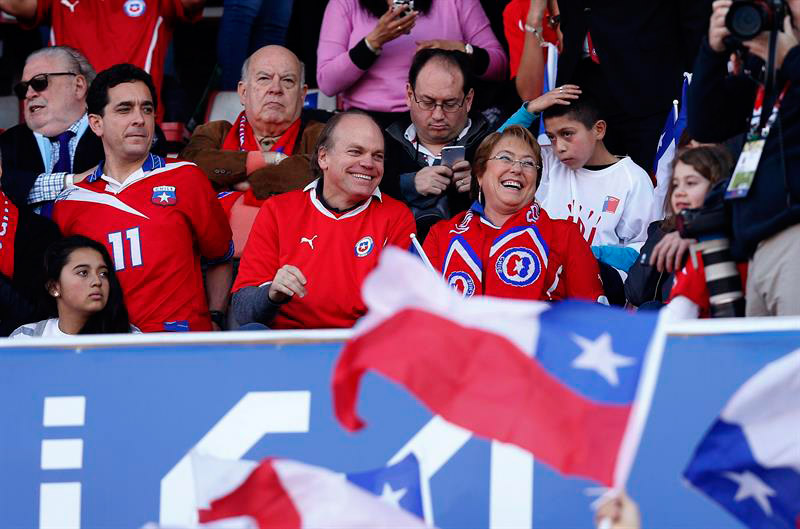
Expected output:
(609, 197)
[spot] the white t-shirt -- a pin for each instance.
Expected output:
(47, 329)
(29, 330)
(612, 206)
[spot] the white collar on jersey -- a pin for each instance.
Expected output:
(312, 189)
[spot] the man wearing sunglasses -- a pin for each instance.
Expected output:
(111, 31)
(439, 97)
(41, 156)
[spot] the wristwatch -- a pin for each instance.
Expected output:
(218, 317)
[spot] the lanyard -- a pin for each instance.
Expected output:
(757, 132)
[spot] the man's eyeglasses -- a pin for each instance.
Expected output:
(526, 165)
(448, 106)
(37, 82)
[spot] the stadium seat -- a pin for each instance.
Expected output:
(9, 112)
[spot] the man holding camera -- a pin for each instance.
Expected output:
(764, 198)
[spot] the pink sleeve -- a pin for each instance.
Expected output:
(335, 71)
(478, 32)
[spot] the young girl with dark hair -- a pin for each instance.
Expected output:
(84, 293)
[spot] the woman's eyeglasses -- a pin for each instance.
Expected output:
(37, 82)
(525, 165)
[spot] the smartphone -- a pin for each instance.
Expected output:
(452, 154)
(408, 4)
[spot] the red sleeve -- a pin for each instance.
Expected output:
(260, 258)
(43, 10)
(690, 283)
(403, 226)
(209, 222)
(433, 246)
(581, 274)
(515, 38)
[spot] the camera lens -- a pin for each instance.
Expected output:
(745, 20)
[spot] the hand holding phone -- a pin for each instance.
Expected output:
(453, 154)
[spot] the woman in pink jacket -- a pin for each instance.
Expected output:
(366, 47)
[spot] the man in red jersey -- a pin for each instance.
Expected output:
(109, 32)
(310, 250)
(156, 218)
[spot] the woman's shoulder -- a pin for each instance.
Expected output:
(31, 330)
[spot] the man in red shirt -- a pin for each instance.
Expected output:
(156, 218)
(310, 250)
(110, 32)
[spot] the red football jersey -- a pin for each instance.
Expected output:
(530, 257)
(109, 32)
(335, 252)
(155, 227)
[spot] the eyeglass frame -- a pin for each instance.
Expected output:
(506, 159)
(21, 88)
(441, 105)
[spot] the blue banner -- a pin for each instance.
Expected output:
(97, 437)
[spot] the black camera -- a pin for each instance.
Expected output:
(710, 226)
(747, 18)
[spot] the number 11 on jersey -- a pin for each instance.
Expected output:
(118, 248)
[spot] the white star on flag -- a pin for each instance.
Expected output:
(751, 486)
(164, 197)
(392, 496)
(599, 356)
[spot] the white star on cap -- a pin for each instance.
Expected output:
(751, 486)
(392, 496)
(599, 356)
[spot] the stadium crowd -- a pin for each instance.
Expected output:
(272, 221)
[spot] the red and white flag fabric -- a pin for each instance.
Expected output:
(569, 382)
(287, 494)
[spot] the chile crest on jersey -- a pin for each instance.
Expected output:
(518, 266)
(134, 8)
(164, 196)
(364, 246)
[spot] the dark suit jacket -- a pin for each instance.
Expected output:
(22, 161)
(644, 46)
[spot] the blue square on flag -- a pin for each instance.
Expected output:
(749, 461)
(594, 350)
(398, 484)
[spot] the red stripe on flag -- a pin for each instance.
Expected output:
(261, 496)
(481, 381)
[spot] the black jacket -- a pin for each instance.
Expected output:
(402, 162)
(644, 283)
(23, 298)
(22, 160)
(719, 107)
(644, 46)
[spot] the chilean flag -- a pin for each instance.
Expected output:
(569, 382)
(287, 494)
(749, 461)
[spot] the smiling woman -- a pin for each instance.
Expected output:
(83, 290)
(506, 245)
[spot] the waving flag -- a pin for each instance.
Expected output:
(749, 461)
(286, 494)
(569, 382)
(667, 144)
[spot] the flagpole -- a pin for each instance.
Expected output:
(421, 252)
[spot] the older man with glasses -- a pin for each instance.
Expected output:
(42, 156)
(439, 96)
